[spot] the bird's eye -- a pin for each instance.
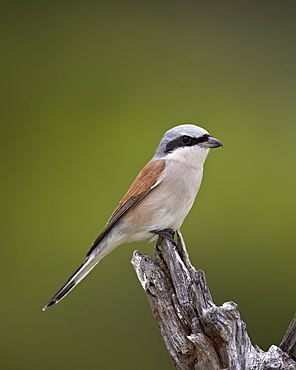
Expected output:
(186, 139)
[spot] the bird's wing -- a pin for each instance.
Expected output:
(146, 180)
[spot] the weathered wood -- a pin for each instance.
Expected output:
(288, 344)
(198, 334)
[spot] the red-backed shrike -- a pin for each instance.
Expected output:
(158, 200)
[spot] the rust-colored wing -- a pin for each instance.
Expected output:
(146, 180)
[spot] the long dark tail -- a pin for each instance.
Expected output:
(78, 275)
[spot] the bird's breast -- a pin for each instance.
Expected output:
(167, 205)
(181, 186)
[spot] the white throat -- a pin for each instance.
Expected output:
(193, 156)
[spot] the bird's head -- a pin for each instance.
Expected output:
(186, 142)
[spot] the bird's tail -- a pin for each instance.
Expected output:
(78, 275)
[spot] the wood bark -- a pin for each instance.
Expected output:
(198, 334)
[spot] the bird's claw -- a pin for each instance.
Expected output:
(166, 233)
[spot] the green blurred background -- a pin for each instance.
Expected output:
(87, 91)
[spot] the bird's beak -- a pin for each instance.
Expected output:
(211, 143)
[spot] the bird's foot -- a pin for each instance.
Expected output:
(166, 233)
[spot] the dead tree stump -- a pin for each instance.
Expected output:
(198, 334)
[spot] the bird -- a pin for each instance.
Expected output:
(157, 201)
